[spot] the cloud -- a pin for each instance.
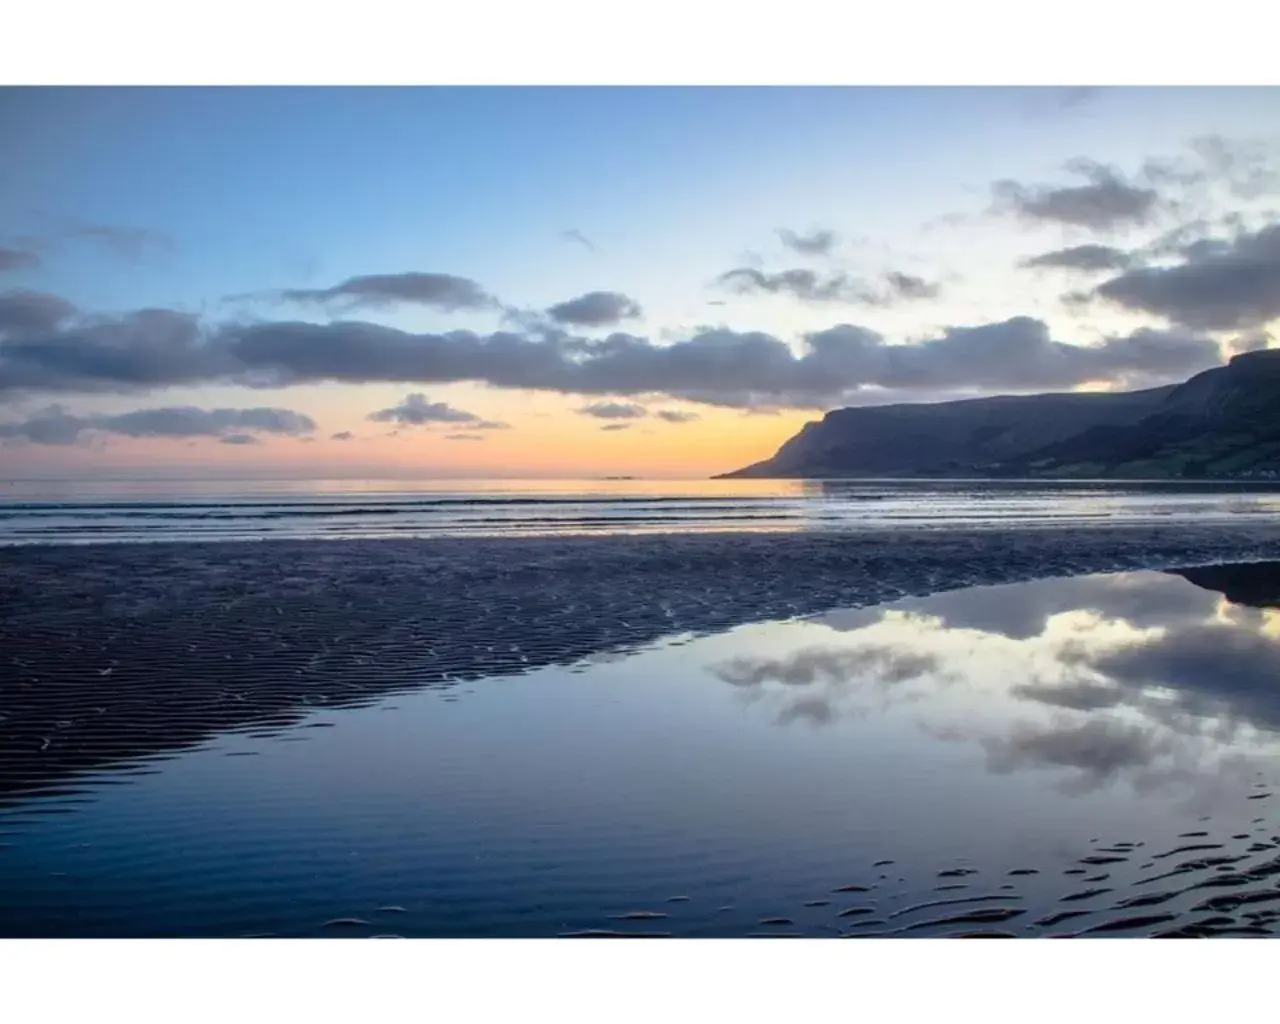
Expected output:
(1245, 169)
(879, 663)
(242, 439)
(576, 236)
(342, 435)
(132, 243)
(616, 426)
(54, 425)
(1077, 696)
(26, 312)
(415, 410)
(816, 243)
(439, 291)
(614, 411)
(831, 681)
(907, 286)
(1212, 666)
(120, 240)
(17, 259)
(1217, 285)
(596, 309)
(676, 416)
(463, 437)
(1083, 258)
(159, 348)
(809, 286)
(1106, 203)
(144, 349)
(800, 283)
(1100, 749)
(1015, 354)
(1021, 611)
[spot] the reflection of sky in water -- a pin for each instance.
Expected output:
(1140, 682)
(999, 727)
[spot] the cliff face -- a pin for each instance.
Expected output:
(1223, 422)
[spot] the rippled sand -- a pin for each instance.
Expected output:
(1233, 883)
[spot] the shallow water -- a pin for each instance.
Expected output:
(93, 512)
(1084, 755)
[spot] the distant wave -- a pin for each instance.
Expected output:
(818, 507)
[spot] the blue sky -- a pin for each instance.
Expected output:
(247, 191)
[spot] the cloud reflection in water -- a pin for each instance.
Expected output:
(1151, 680)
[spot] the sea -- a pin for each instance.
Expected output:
(36, 512)
(805, 735)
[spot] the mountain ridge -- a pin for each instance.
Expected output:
(1222, 422)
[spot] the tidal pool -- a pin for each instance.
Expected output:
(1092, 755)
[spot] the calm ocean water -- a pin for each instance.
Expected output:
(81, 512)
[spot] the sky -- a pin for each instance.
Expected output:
(574, 282)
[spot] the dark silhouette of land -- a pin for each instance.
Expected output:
(1221, 424)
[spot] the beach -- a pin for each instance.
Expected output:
(698, 735)
(97, 637)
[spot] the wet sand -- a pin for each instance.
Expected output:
(118, 660)
(118, 652)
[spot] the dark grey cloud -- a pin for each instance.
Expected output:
(190, 421)
(439, 291)
(342, 435)
(55, 425)
(415, 410)
(146, 349)
(676, 416)
(816, 243)
(25, 312)
(616, 426)
(1217, 285)
(799, 283)
(1213, 667)
(1081, 695)
(1015, 354)
(596, 309)
(241, 439)
(614, 411)
(808, 285)
(908, 286)
(1083, 258)
(12, 260)
(1105, 203)
(158, 348)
